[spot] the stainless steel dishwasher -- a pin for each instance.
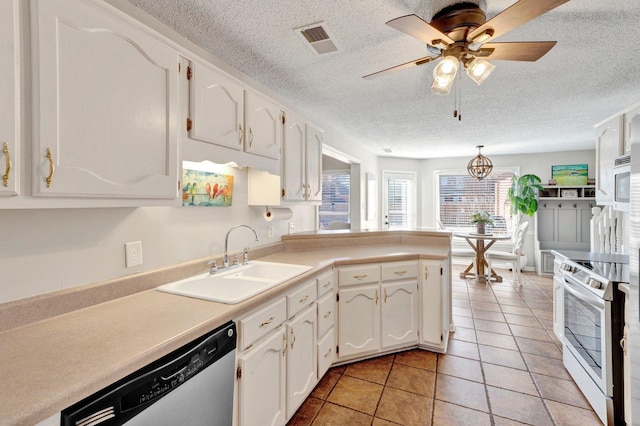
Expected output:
(192, 386)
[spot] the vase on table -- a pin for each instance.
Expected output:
(480, 227)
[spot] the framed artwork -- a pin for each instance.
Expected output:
(201, 188)
(570, 175)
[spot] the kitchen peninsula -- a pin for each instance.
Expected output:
(65, 358)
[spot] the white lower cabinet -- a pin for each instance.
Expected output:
(377, 308)
(302, 371)
(434, 299)
(262, 382)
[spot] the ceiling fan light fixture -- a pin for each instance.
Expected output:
(479, 69)
(480, 166)
(441, 88)
(446, 70)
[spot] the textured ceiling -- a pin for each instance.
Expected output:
(523, 107)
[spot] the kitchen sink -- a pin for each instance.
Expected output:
(237, 283)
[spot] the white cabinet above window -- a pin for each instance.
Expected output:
(105, 105)
(302, 163)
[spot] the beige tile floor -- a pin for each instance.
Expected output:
(503, 367)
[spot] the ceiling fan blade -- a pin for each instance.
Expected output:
(515, 51)
(400, 67)
(514, 16)
(417, 27)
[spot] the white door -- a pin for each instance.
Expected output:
(399, 316)
(359, 320)
(261, 388)
(301, 358)
(263, 125)
(313, 164)
(9, 98)
(105, 110)
(293, 167)
(431, 330)
(216, 108)
(399, 199)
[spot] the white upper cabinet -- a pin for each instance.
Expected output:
(215, 108)
(631, 128)
(609, 145)
(9, 98)
(263, 125)
(105, 105)
(222, 112)
(302, 163)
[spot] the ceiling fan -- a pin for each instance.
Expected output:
(460, 33)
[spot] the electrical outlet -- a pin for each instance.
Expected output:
(133, 253)
(292, 227)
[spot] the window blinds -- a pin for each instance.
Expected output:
(335, 197)
(400, 201)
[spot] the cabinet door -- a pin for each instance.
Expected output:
(631, 128)
(567, 224)
(263, 126)
(314, 164)
(359, 320)
(609, 145)
(261, 387)
(215, 108)
(431, 329)
(301, 359)
(105, 106)
(9, 98)
(546, 224)
(558, 306)
(399, 315)
(293, 166)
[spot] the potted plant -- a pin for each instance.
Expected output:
(480, 219)
(524, 200)
(522, 194)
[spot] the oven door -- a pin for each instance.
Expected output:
(587, 332)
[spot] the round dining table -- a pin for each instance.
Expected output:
(480, 243)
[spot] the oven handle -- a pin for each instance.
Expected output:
(592, 300)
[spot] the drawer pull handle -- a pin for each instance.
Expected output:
(376, 297)
(426, 273)
(385, 295)
(267, 322)
(327, 284)
(328, 352)
(241, 139)
(304, 299)
(7, 156)
(250, 134)
(284, 346)
(360, 277)
(293, 338)
(51, 168)
(327, 315)
(400, 273)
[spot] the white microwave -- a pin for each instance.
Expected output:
(622, 182)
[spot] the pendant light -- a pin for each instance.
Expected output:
(480, 166)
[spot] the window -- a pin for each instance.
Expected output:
(399, 199)
(460, 195)
(335, 197)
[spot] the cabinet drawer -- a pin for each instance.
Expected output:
(326, 352)
(358, 275)
(261, 322)
(325, 283)
(301, 297)
(399, 271)
(326, 313)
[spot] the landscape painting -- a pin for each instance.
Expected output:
(206, 189)
(570, 175)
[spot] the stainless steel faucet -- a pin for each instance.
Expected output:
(225, 257)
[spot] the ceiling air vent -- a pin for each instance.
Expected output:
(317, 37)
